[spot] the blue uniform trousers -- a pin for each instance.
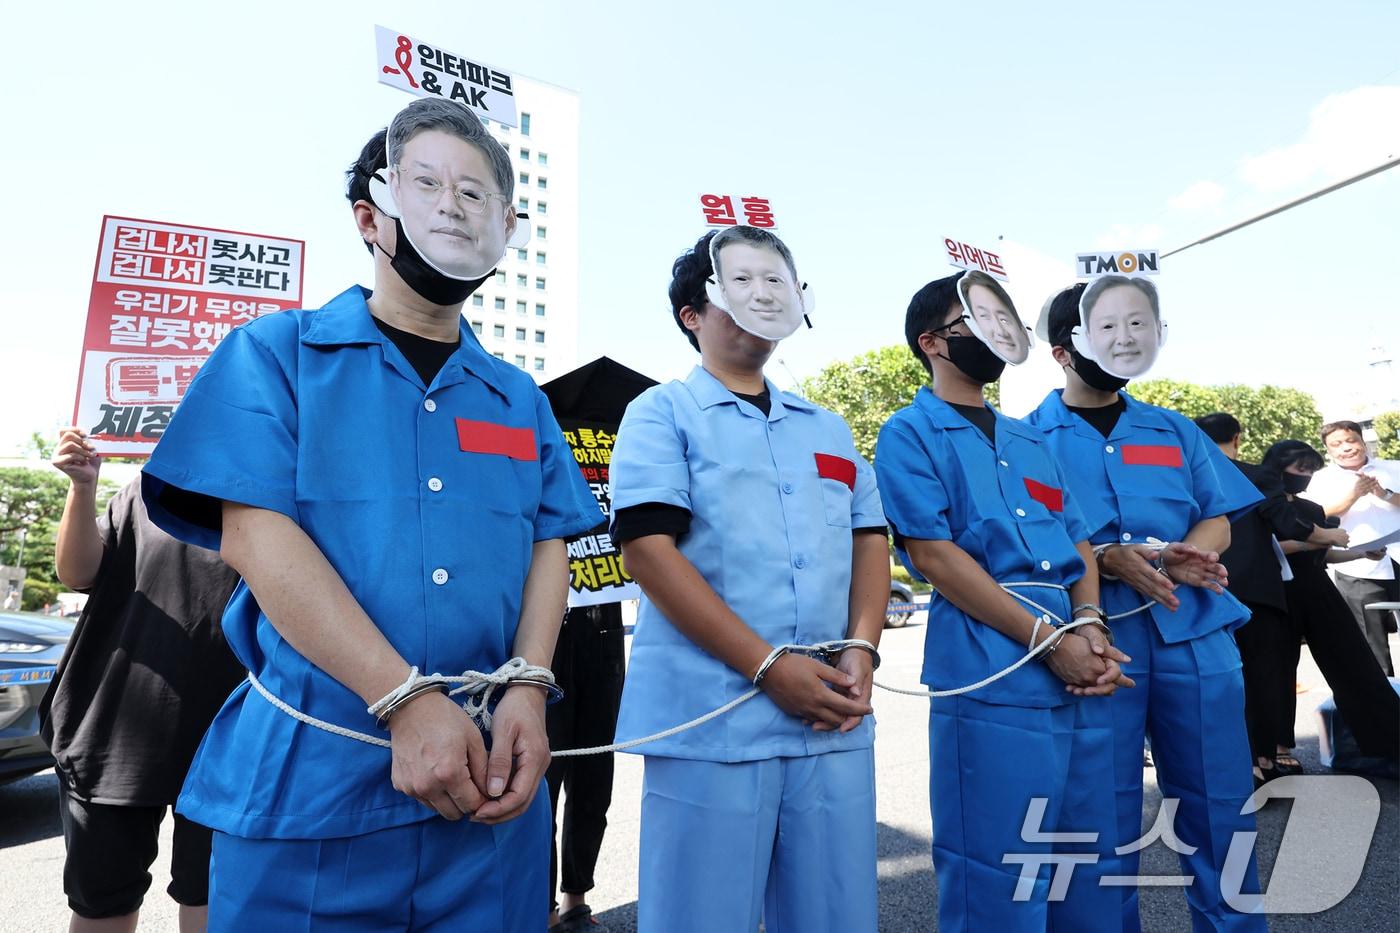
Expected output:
(987, 763)
(434, 875)
(788, 840)
(1190, 700)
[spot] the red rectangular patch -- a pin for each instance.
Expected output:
(1152, 455)
(1048, 496)
(484, 437)
(837, 468)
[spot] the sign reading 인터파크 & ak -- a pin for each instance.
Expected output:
(427, 70)
(163, 296)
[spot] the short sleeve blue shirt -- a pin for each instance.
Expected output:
(1007, 506)
(1156, 475)
(772, 502)
(425, 499)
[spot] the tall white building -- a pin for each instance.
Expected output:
(528, 314)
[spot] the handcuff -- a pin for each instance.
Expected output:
(826, 652)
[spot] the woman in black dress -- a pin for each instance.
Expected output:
(1363, 694)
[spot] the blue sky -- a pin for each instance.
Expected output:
(875, 129)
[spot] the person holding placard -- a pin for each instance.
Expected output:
(1170, 495)
(976, 502)
(751, 524)
(395, 499)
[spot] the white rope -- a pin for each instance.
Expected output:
(666, 734)
(1063, 629)
(480, 689)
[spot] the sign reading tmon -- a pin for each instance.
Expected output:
(1121, 262)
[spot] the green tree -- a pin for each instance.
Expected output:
(1387, 425)
(867, 389)
(1267, 413)
(31, 504)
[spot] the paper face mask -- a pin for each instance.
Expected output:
(992, 317)
(444, 194)
(1121, 326)
(754, 283)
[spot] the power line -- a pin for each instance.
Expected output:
(1393, 161)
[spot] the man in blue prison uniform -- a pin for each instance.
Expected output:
(974, 500)
(750, 521)
(392, 496)
(1160, 478)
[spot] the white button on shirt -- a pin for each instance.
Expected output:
(435, 484)
(1109, 448)
(1127, 536)
(1021, 513)
(439, 576)
(1045, 565)
(429, 405)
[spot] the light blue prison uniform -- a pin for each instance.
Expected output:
(754, 812)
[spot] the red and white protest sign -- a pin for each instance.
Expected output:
(970, 257)
(719, 211)
(163, 296)
(426, 70)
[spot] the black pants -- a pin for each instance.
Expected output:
(1358, 591)
(1363, 695)
(588, 666)
(1269, 653)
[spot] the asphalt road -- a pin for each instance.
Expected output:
(31, 841)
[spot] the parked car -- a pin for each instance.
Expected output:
(30, 646)
(902, 607)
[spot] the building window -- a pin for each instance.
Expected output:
(476, 328)
(542, 207)
(524, 178)
(542, 182)
(539, 336)
(520, 333)
(541, 233)
(523, 204)
(539, 257)
(525, 154)
(539, 310)
(521, 282)
(539, 283)
(522, 254)
(539, 365)
(500, 304)
(478, 301)
(520, 307)
(499, 355)
(499, 332)
(524, 124)
(520, 360)
(500, 278)
(544, 159)
(506, 146)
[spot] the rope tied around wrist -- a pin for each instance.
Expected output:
(481, 691)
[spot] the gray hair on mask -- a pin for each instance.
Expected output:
(454, 119)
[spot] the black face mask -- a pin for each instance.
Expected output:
(974, 359)
(429, 283)
(1093, 374)
(1294, 484)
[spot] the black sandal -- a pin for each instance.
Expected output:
(578, 920)
(1287, 764)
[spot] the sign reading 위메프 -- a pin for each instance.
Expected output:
(423, 69)
(163, 296)
(718, 210)
(596, 574)
(970, 257)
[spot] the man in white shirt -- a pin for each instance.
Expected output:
(1361, 491)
